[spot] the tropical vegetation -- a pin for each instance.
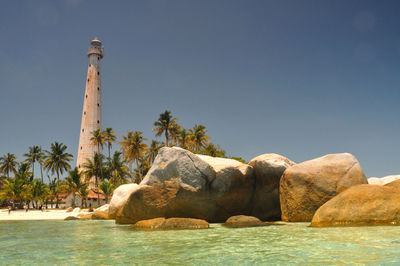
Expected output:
(101, 174)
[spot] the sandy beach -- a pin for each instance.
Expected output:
(21, 215)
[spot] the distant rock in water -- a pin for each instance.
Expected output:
(183, 184)
(268, 170)
(383, 180)
(171, 224)
(243, 221)
(361, 205)
(306, 186)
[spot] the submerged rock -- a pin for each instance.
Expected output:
(171, 224)
(268, 169)
(243, 221)
(361, 205)
(306, 186)
(182, 184)
(71, 218)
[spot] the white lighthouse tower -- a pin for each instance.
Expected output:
(91, 113)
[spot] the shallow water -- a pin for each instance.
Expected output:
(103, 242)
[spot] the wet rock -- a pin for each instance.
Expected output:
(243, 221)
(171, 224)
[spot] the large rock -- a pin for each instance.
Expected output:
(182, 184)
(383, 180)
(361, 205)
(306, 186)
(268, 169)
(119, 198)
(243, 221)
(171, 224)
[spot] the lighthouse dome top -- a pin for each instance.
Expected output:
(95, 42)
(96, 48)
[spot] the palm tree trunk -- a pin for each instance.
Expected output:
(33, 169)
(166, 137)
(41, 171)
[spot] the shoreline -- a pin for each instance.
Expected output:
(35, 215)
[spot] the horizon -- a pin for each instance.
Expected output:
(298, 79)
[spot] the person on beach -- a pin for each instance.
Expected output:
(9, 209)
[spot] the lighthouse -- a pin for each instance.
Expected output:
(91, 113)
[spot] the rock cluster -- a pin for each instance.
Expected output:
(183, 184)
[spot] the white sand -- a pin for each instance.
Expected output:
(34, 215)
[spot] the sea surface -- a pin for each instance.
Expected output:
(105, 243)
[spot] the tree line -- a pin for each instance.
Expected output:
(19, 183)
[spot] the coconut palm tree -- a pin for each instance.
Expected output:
(109, 137)
(83, 193)
(73, 183)
(107, 188)
(165, 124)
(134, 148)
(8, 163)
(93, 168)
(57, 160)
(34, 155)
(55, 189)
(18, 188)
(152, 152)
(97, 139)
(198, 137)
(212, 150)
(118, 170)
(40, 192)
(183, 138)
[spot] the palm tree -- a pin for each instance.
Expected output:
(18, 188)
(97, 139)
(133, 147)
(110, 137)
(34, 155)
(54, 190)
(94, 168)
(8, 163)
(155, 146)
(107, 188)
(73, 183)
(118, 170)
(165, 124)
(57, 160)
(83, 193)
(183, 138)
(212, 150)
(198, 137)
(40, 192)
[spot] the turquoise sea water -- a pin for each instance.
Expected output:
(103, 242)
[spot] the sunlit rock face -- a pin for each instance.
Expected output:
(361, 205)
(119, 198)
(383, 180)
(306, 186)
(268, 170)
(183, 184)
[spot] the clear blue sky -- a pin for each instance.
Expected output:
(298, 78)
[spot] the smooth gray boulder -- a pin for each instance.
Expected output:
(183, 184)
(268, 169)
